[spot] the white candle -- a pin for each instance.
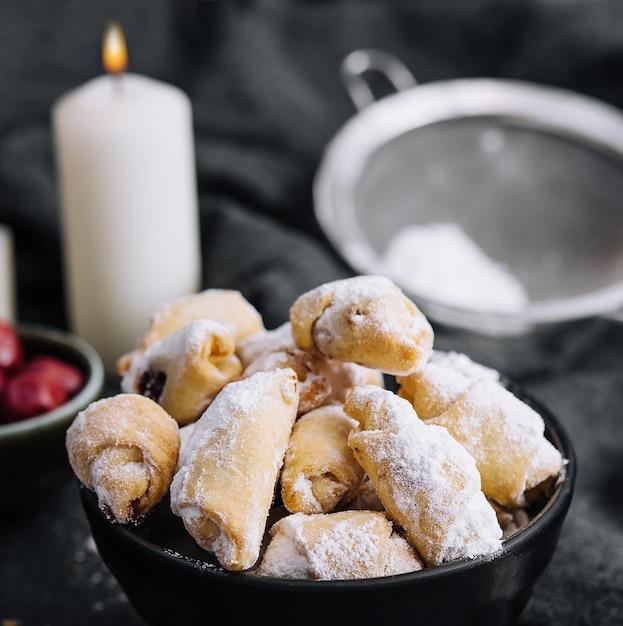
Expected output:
(125, 158)
(7, 275)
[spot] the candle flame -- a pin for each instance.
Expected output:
(114, 49)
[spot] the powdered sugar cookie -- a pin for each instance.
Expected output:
(229, 467)
(319, 470)
(365, 320)
(427, 482)
(226, 306)
(252, 347)
(506, 438)
(336, 546)
(314, 388)
(435, 386)
(125, 448)
(185, 371)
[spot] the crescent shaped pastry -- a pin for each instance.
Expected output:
(125, 448)
(336, 546)
(365, 320)
(343, 377)
(319, 471)
(227, 306)
(186, 370)
(314, 388)
(257, 344)
(435, 386)
(427, 482)
(323, 381)
(230, 466)
(505, 436)
(432, 389)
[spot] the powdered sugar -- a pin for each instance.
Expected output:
(183, 342)
(343, 545)
(366, 320)
(253, 346)
(284, 560)
(426, 480)
(371, 288)
(451, 519)
(461, 363)
(503, 434)
(402, 557)
(333, 552)
(229, 466)
(302, 487)
(441, 262)
(487, 404)
(124, 447)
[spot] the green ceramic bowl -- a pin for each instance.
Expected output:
(33, 458)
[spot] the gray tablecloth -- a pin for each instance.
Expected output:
(267, 98)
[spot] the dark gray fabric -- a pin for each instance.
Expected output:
(267, 98)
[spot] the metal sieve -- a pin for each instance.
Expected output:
(532, 174)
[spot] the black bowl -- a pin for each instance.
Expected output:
(170, 580)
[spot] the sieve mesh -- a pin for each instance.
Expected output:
(546, 206)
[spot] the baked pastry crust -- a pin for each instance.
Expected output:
(365, 320)
(250, 348)
(227, 306)
(435, 386)
(230, 466)
(336, 546)
(185, 371)
(344, 376)
(314, 388)
(432, 389)
(427, 482)
(506, 438)
(323, 381)
(319, 471)
(125, 448)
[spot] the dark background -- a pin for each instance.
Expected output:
(266, 94)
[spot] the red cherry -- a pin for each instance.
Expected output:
(27, 395)
(65, 374)
(11, 350)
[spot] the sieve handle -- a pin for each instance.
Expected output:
(358, 62)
